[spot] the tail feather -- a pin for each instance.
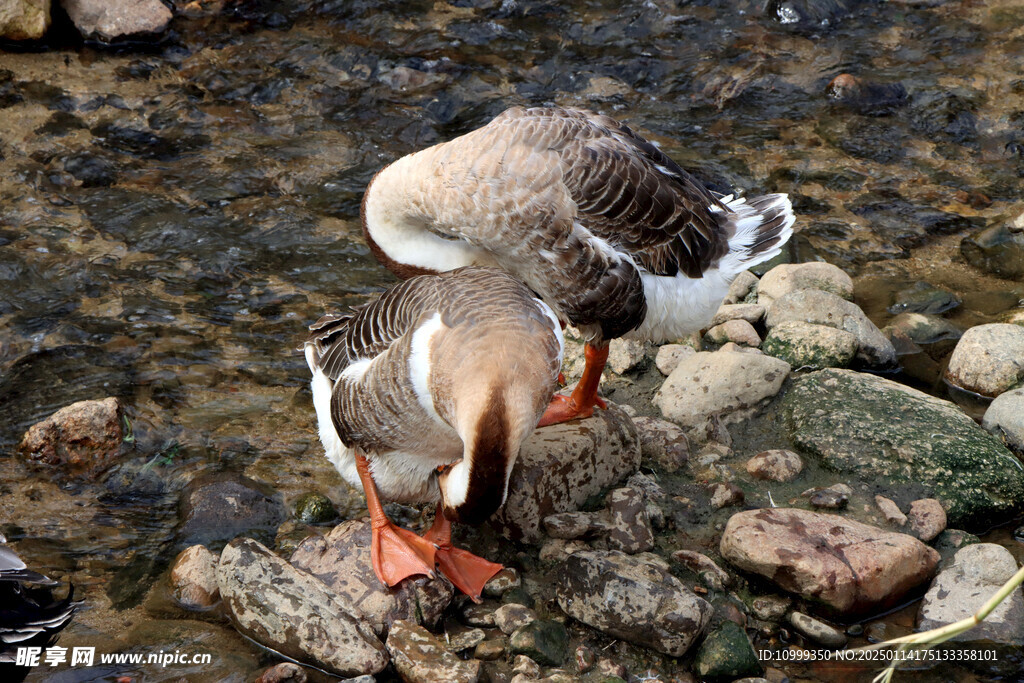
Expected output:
(759, 228)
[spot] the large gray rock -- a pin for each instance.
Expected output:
(845, 565)
(791, 277)
(289, 611)
(24, 19)
(419, 657)
(562, 465)
(806, 345)
(728, 383)
(78, 441)
(110, 19)
(219, 506)
(634, 598)
(977, 572)
(1005, 419)
(822, 308)
(341, 559)
(988, 359)
(887, 435)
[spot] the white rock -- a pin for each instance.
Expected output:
(625, 355)
(726, 383)
(752, 313)
(988, 359)
(111, 19)
(737, 331)
(1005, 418)
(743, 285)
(790, 277)
(670, 355)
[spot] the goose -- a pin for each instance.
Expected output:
(426, 395)
(29, 616)
(610, 232)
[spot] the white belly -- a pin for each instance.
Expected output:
(679, 305)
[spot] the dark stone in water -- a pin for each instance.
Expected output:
(866, 98)
(92, 169)
(809, 15)
(545, 642)
(907, 225)
(215, 508)
(996, 250)
(726, 654)
(144, 144)
(923, 297)
(315, 508)
(60, 123)
(946, 114)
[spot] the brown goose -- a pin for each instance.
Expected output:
(609, 231)
(426, 395)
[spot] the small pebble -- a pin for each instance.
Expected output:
(478, 615)
(775, 465)
(511, 617)
(585, 659)
(526, 666)
(502, 581)
(927, 518)
(490, 650)
(816, 630)
(607, 667)
(892, 513)
(724, 495)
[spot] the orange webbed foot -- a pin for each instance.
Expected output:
(468, 572)
(564, 408)
(398, 553)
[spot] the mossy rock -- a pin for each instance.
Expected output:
(805, 345)
(726, 654)
(889, 435)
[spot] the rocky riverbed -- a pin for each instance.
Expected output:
(836, 456)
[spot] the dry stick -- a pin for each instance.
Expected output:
(937, 636)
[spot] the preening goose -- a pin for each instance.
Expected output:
(609, 231)
(426, 395)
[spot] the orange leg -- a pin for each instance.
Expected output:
(468, 572)
(396, 553)
(584, 397)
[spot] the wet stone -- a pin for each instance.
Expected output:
(988, 359)
(78, 441)
(925, 298)
(892, 513)
(517, 596)
(726, 494)
(315, 508)
(816, 630)
(570, 525)
(506, 579)
(292, 612)
(775, 465)
(110, 19)
(221, 506)
(770, 607)
(726, 654)
(925, 329)
(489, 650)
(663, 445)
(545, 642)
(670, 355)
(629, 527)
(736, 331)
(341, 559)
(997, 250)
(193, 578)
(510, 617)
(465, 640)
(634, 598)
(927, 518)
(711, 574)
(419, 657)
(478, 615)
(1005, 419)
(525, 666)
(585, 659)
(285, 672)
(833, 497)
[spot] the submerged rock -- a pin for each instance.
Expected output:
(726, 654)
(24, 19)
(923, 328)
(193, 578)
(1005, 419)
(805, 345)
(923, 297)
(848, 566)
(341, 559)
(79, 440)
(545, 642)
(110, 19)
(867, 98)
(221, 506)
(634, 598)
(887, 434)
(816, 630)
(988, 359)
(562, 465)
(419, 657)
(997, 250)
(724, 382)
(292, 612)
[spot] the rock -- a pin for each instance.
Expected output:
(570, 525)
(562, 465)
(724, 494)
(703, 566)
(833, 497)
(775, 465)
(557, 550)
(816, 630)
(292, 612)
(110, 19)
(511, 617)
(806, 345)
(922, 297)
(848, 566)
(626, 355)
(892, 513)
(998, 250)
(770, 607)
(988, 359)
(634, 598)
(670, 355)
(525, 666)
(736, 331)
(925, 329)
(1005, 419)
(951, 540)
(489, 650)
(341, 559)
(886, 434)
(726, 654)
(977, 573)
(504, 580)
(24, 19)
(663, 445)
(545, 642)
(478, 615)
(822, 308)
(285, 672)
(865, 97)
(193, 578)
(315, 508)
(78, 441)
(927, 518)
(220, 506)
(792, 277)
(731, 384)
(464, 640)
(743, 286)
(752, 313)
(629, 527)
(419, 657)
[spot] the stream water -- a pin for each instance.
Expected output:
(174, 214)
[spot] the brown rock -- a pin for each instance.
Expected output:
(726, 494)
(490, 650)
(630, 529)
(512, 616)
(420, 658)
(79, 440)
(703, 566)
(775, 465)
(662, 444)
(562, 465)
(892, 513)
(570, 525)
(24, 19)
(193, 578)
(849, 566)
(927, 518)
(285, 672)
(341, 559)
(109, 19)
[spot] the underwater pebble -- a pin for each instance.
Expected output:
(193, 578)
